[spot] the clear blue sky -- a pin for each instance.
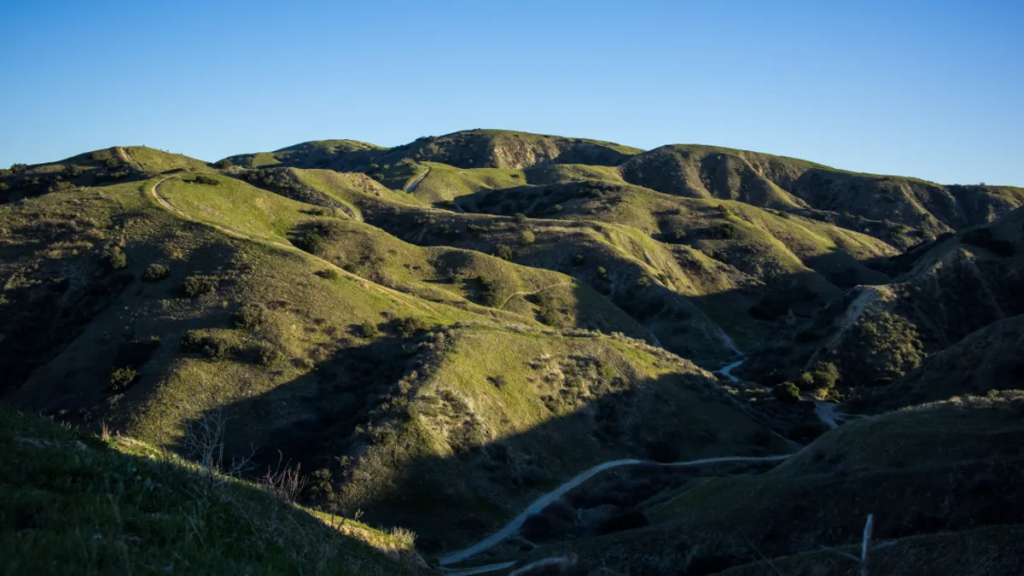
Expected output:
(933, 89)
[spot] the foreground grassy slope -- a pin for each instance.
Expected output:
(76, 504)
(941, 468)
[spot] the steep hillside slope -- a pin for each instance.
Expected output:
(76, 504)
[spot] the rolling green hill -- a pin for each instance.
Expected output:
(433, 335)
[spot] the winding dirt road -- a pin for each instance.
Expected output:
(542, 502)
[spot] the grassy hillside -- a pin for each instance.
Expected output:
(79, 504)
(435, 334)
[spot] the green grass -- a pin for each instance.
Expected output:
(78, 504)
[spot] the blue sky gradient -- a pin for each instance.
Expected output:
(932, 89)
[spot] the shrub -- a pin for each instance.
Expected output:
(520, 217)
(786, 392)
(122, 378)
(557, 208)
(475, 229)
(205, 180)
(223, 164)
(410, 326)
(115, 257)
(72, 171)
(503, 251)
(369, 330)
(155, 272)
(112, 163)
(18, 168)
(208, 345)
(498, 381)
(527, 237)
(61, 186)
(578, 260)
(824, 376)
(250, 317)
(198, 285)
(805, 381)
(266, 354)
(602, 272)
(5, 173)
(327, 274)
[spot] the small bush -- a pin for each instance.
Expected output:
(205, 180)
(198, 285)
(223, 164)
(212, 347)
(369, 330)
(527, 237)
(408, 327)
(115, 257)
(503, 251)
(122, 378)
(557, 208)
(72, 171)
(250, 317)
(266, 354)
(476, 229)
(327, 274)
(520, 217)
(155, 272)
(786, 392)
(499, 382)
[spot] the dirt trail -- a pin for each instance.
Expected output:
(515, 294)
(542, 502)
(395, 295)
(412, 185)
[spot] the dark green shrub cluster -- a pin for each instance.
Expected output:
(213, 347)
(115, 258)
(503, 251)
(527, 237)
(822, 378)
(198, 285)
(266, 354)
(250, 317)
(122, 378)
(408, 327)
(155, 272)
(885, 347)
(786, 392)
(204, 180)
(327, 274)
(223, 164)
(520, 218)
(369, 330)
